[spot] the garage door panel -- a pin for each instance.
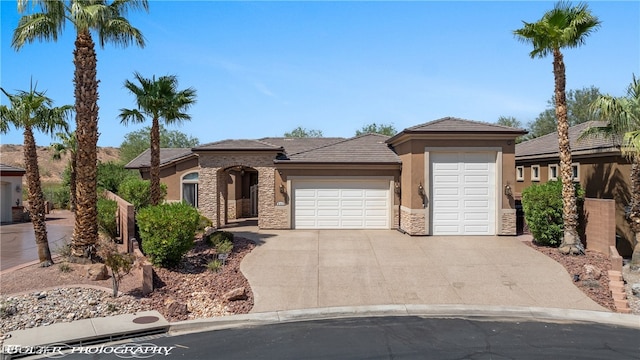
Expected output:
(463, 193)
(341, 204)
(327, 203)
(331, 193)
(442, 216)
(352, 193)
(476, 191)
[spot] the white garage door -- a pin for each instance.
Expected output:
(463, 193)
(341, 204)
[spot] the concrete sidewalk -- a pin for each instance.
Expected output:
(299, 269)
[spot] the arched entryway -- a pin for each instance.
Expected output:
(238, 193)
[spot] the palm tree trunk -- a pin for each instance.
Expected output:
(155, 162)
(36, 198)
(570, 242)
(72, 182)
(634, 211)
(85, 233)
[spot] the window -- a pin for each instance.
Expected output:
(190, 189)
(575, 171)
(535, 172)
(553, 172)
(520, 173)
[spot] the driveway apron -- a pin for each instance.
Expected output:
(298, 269)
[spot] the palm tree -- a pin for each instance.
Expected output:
(68, 144)
(31, 110)
(622, 116)
(564, 26)
(157, 99)
(110, 25)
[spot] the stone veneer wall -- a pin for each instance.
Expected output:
(231, 210)
(212, 194)
(508, 223)
(413, 223)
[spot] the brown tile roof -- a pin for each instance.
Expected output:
(296, 145)
(368, 148)
(456, 125)
(9, 168)
(547, 145)
(167, 155)
(238, 145)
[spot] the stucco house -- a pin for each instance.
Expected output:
(446, 177)
(10, 192)
(598, 166)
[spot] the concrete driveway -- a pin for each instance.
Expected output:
(18, 241)
(298, 269)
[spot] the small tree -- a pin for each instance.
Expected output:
(120, 264)
(373, 128)
(301, 132)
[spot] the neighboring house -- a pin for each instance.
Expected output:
(598, 166)
(445, 177)
(10, 191)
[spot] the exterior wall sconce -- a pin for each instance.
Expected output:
(420, 189)
(396, 188)
(18, 188)
(282, 189)
(507, 190)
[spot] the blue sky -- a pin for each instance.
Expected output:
(264, 68)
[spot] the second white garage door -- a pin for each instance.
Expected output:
(463, 193)
(341, 204)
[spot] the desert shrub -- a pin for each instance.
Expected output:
(204, 222)
(137, 192)
(167, 231)
(224, 247)
(214, 265)
(107, 212)
(219, 237)
(61, 197)
(542, 204)
(65, 268)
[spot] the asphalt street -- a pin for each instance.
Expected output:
(397, 338)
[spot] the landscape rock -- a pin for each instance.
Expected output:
(96, 272)
(591, 272)
(175, 308)
(209, 230)
(236, 294)
(635, 289)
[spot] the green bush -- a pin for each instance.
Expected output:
(107, 223)
(219, 237)
(137, 192)
(215, 265)
(167, 231)
(112, 174)
(542, 205)
(61, 197)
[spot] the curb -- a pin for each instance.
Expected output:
(482, 313)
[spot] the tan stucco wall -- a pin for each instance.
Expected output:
(171, 176)
(414, 172)
(603, 177)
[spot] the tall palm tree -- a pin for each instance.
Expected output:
(565, 26)
(68, 144)
(157, 99)
(622, 116)
(32, 110)
(109, 23)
